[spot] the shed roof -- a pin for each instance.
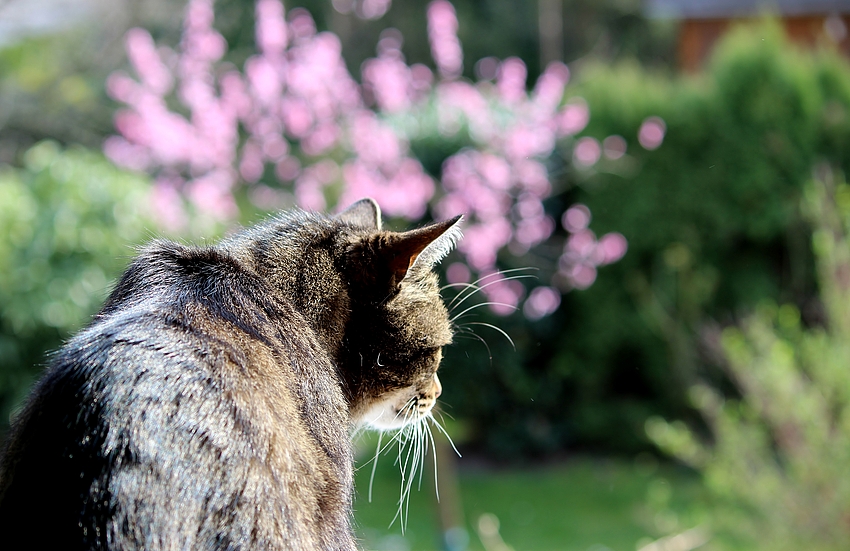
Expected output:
(709, 9)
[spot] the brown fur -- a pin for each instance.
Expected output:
(209, 404)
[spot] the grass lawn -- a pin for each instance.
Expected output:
(581, 504)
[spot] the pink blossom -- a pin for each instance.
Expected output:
(541, 302)
(200, 41)
(451, 205)
(234, 94)
(146, 61)
(529, 206)
(166, 204)
(421, 79)
(503, 293)
(302, 25)
(364, 9)
(582, 243)
(573, 117)
(457, 273)
(199, 15)
(511, 80)
(271, 28)
(442, 35)
(389, 79)
(614, 147)
(487, 68)
(374, 9)
(527, 141)
(121, 87)
(405, 193)
(308, 194)
(549, 90)
(576, 218)
(533, 177)
(274, 147)
(482, 242)
(213, 195)
(310, 184)
(288, 169)
(486, 201)
(613, 247)
(295, 101)
(457, 102)
(264, 80)
(297, 116)
(251, 164)
(651, 133)
(583, 253)
(496, 170)
(266, 198)
(126, 154)
(531, 231)
(374, 142)
(587, 152)
(323, 138)
(265, 127)
(169, 136)
(344, 6)
(582, 276)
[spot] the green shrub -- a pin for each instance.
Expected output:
(68, 221)
(781, 451)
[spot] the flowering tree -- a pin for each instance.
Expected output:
(296, 117)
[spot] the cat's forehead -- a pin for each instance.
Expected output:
(420, 310)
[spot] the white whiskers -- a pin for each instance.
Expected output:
(468, 290)
(491, 326)
(415, 438)
(375, 464)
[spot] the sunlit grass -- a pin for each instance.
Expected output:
(577, 504)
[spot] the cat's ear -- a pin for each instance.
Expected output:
(365, 213)
(421, 247)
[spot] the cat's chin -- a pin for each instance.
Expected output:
(393, 412)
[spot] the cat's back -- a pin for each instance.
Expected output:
(174, 421)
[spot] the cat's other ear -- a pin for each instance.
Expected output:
(365, 213)
(421, 247)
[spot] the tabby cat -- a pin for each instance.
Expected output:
(209, 404)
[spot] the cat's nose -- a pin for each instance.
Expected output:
(438, 388)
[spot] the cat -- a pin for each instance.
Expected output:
(209, 403)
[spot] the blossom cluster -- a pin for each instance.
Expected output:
(295, 126)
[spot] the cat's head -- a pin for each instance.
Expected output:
(370, 296)
(398, 323)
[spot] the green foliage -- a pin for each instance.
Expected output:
(712, 218)
(573, 505)
(68, 221)
(781, 451)
(53, 87)
(714, 227)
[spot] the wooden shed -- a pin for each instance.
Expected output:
(703, 22)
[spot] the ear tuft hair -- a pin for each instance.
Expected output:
(442, 245)
(420, 247)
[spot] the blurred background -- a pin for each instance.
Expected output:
(653, 295)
